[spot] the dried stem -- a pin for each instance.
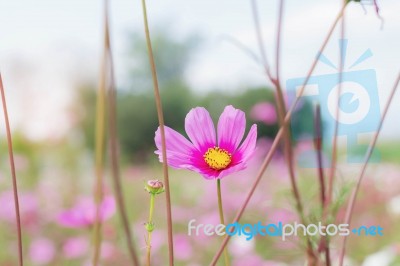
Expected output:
(318, 140)
(318, 146)
(241, 46)
(278, 136)
(99, 149)
(13, 174)
(281, 110)
(162, 131)
(278, 41)
(352, 201)
(281, 116)
(328, 198)
(279, 95)
(114, 148)
(336, 129)
(260, 39)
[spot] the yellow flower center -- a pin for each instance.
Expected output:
(217, 158)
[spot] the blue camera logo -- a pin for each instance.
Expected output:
(359, 111)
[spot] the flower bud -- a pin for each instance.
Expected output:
(149, 226)
(154, 187)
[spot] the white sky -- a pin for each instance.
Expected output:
(45, 44)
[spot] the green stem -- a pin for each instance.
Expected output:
(221, 217)
(99, 146)
(149, 231)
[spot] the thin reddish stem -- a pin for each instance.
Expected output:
(332, 171)
(352, 201)
(318, 146)
(260, 39)
(336, 129)
(276, 140)
(13, 174)
(279, 94)
(160, 115)
(112, 102)
(318, 140)
(278, 41)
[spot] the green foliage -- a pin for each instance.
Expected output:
(136, 114)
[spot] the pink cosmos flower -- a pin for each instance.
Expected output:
(83, 214)
(210, 153)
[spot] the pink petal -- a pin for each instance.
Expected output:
(182, 154)
(179, 149)
(232, 169)
(200, 129)
(206, 171)
(231, 127)
(248, 146)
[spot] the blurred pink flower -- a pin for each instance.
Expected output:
(28, 207)
(107, 250)
(264, 112)
(210, 154)
(42, 251)
(290, 101)
(304, 146)
(21, 162)
(83, 214)
(254, 260)
(281, 215)
(75, 247)
(182, 246)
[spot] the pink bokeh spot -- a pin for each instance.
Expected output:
(183, 249)
(75, 247)
(254, 260)
(107, 250)
(28, 207)
(264, 112)
(281, 215)
(42, 251)
(83, 214)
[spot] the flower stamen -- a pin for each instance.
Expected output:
(217, 158)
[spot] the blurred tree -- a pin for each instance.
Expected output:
(172, 57)
(137, 117)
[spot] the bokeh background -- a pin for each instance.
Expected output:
(49, 57)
